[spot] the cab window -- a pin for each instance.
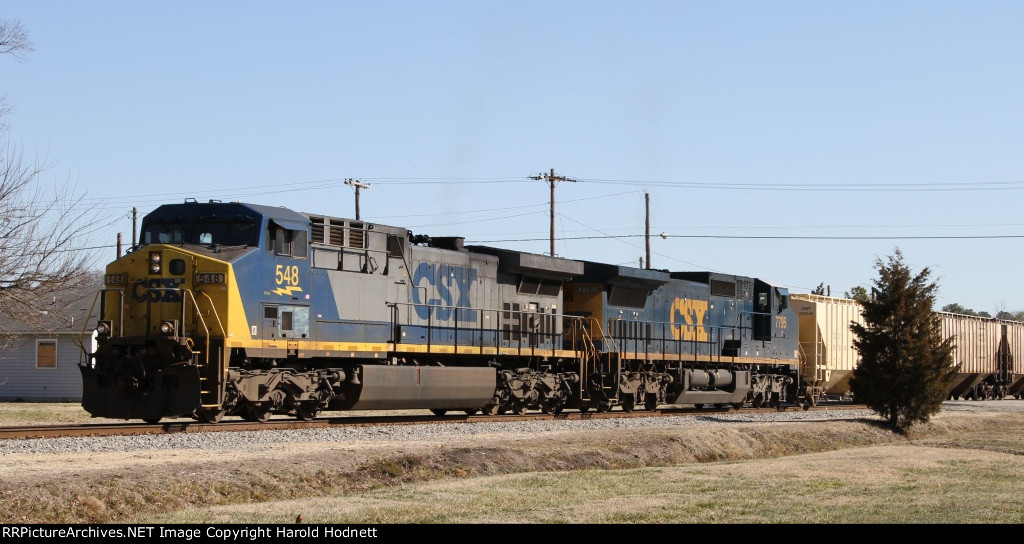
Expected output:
(287, 242)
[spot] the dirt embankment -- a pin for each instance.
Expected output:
(116, 487)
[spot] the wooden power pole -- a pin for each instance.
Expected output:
(647, 228)
(358, 185)
(552, 179)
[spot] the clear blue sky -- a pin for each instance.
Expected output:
(834, 131)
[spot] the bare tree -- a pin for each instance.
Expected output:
(39, 226)
(13, 40)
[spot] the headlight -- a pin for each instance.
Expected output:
(155, 258)
(167, 328)
(103, 329)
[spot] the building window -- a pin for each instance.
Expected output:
(46, 354)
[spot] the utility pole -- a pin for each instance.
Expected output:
(552, 179)
(358, 185)
(647, 227)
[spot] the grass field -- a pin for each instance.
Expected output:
(959, 468)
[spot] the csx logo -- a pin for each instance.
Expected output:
(157, 290)
(451, 284)
(688, 319)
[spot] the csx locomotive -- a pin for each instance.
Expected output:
(248, 310)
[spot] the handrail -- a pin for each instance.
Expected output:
(664, 332)
(213, 308)
(101, 295)
(527, 340)
(820, 360)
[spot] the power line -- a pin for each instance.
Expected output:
(693, 236)
(759, 237)
(329, 183)
(842, 187)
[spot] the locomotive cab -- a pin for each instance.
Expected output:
(166, 310)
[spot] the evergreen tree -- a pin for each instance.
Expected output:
(906, 367)
(857, 293)
(958, 309)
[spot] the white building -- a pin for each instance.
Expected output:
(39, 363)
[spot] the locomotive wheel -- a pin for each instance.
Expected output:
(737, 405)
(552, 406)
(257, 413)
(305, 413)
(627, 401)
(438, 411)
(651, 402)
(758, 401)
(604, 406)
(152, 420)
(774, 402)
(503, 402)
(584, 408)
(519, 408)
(490, 409)
(471, 412)
(211, 416)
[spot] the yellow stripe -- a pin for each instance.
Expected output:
(708, 359)
(379, 349)
(336, 349)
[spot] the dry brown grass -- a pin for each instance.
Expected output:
(838, 472)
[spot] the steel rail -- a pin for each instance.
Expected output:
(285, 423)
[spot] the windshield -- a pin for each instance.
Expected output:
(163, 233)
(241, 232)
(224, 233)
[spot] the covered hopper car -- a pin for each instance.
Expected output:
(988, 351)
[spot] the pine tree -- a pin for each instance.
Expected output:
(906, 367)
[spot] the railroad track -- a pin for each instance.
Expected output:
(190, 426)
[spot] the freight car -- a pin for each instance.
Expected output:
(988, 351)
(248, 310)
(989, 354)
(827, 355)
